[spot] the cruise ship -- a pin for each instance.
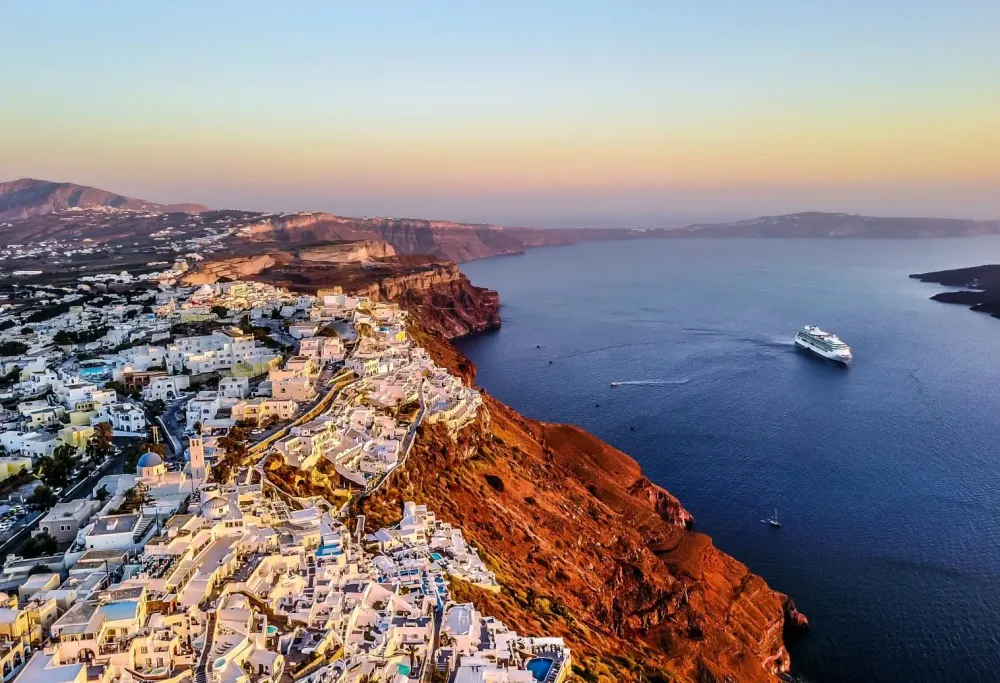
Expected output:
(823, 344)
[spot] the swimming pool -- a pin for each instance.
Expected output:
(539, 667)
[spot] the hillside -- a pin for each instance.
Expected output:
(27, 197)
(819, 224)
(585, 547)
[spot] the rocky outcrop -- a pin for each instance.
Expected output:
(236, 268)
(442, 298)
(587, 548)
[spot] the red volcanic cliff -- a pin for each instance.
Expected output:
(587, 548)
(436, 292)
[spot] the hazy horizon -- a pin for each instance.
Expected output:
(559, 115)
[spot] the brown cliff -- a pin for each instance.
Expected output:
(411, 236)
(587, 548)
(435, 291)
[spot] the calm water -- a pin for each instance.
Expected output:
(886, 476)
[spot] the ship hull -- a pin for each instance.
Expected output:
(822, 353)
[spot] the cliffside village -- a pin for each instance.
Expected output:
(205, 563)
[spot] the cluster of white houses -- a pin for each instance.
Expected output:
(236, 581)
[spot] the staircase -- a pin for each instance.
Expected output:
(205, 661)
(144, 524)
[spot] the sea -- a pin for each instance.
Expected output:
(885, 475)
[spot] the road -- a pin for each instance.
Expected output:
(82, 488)
(173, 421)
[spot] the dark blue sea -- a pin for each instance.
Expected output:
(886, 475)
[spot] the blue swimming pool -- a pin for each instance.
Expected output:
(539, 667)
(435, 556)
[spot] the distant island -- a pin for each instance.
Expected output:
(822, 224)
(981, 283)
(33, 211)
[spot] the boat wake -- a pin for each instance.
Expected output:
(652, 382)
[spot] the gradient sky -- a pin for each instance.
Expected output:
(536, 113)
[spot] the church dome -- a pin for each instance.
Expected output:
(216, 508)
(149, 460)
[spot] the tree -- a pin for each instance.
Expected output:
(39, 569)
(156, 407)
(220, 311)
(234, 443)
(13, 348)
(101, 494)
(63, 338)
(42, 498)
(57, 470)
(100, 447)
(42, 544)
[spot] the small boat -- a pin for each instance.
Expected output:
(614, 384)
(773, 521)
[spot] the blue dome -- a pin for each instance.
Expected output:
(149, 460)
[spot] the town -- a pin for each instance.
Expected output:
(181, 467)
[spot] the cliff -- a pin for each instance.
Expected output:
(29, 197)
(587, 548)
(435, 291)
(410, 236)
(983, 283)
(442, 297)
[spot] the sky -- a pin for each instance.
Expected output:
(618, 113)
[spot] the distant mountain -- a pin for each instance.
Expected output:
(819, 224)
(29, 197)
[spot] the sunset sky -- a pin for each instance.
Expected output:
(535, 113)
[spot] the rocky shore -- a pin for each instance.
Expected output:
(981, 283)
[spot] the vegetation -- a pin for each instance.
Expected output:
(13, 348)
(40, 545)
(133, 500)
(57, 470)
(234, 447)
(42, 498)
(100, 446)
(65, 337)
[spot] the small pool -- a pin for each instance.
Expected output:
(220, 663)
(162, 671)
(404, 669)
(539, 667)
(272, 630)
(436, 557)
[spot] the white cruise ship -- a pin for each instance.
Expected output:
(823, 344)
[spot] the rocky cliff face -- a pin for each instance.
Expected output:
(442, 298)
(409, 236)
(435, 291)
(589, 549)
